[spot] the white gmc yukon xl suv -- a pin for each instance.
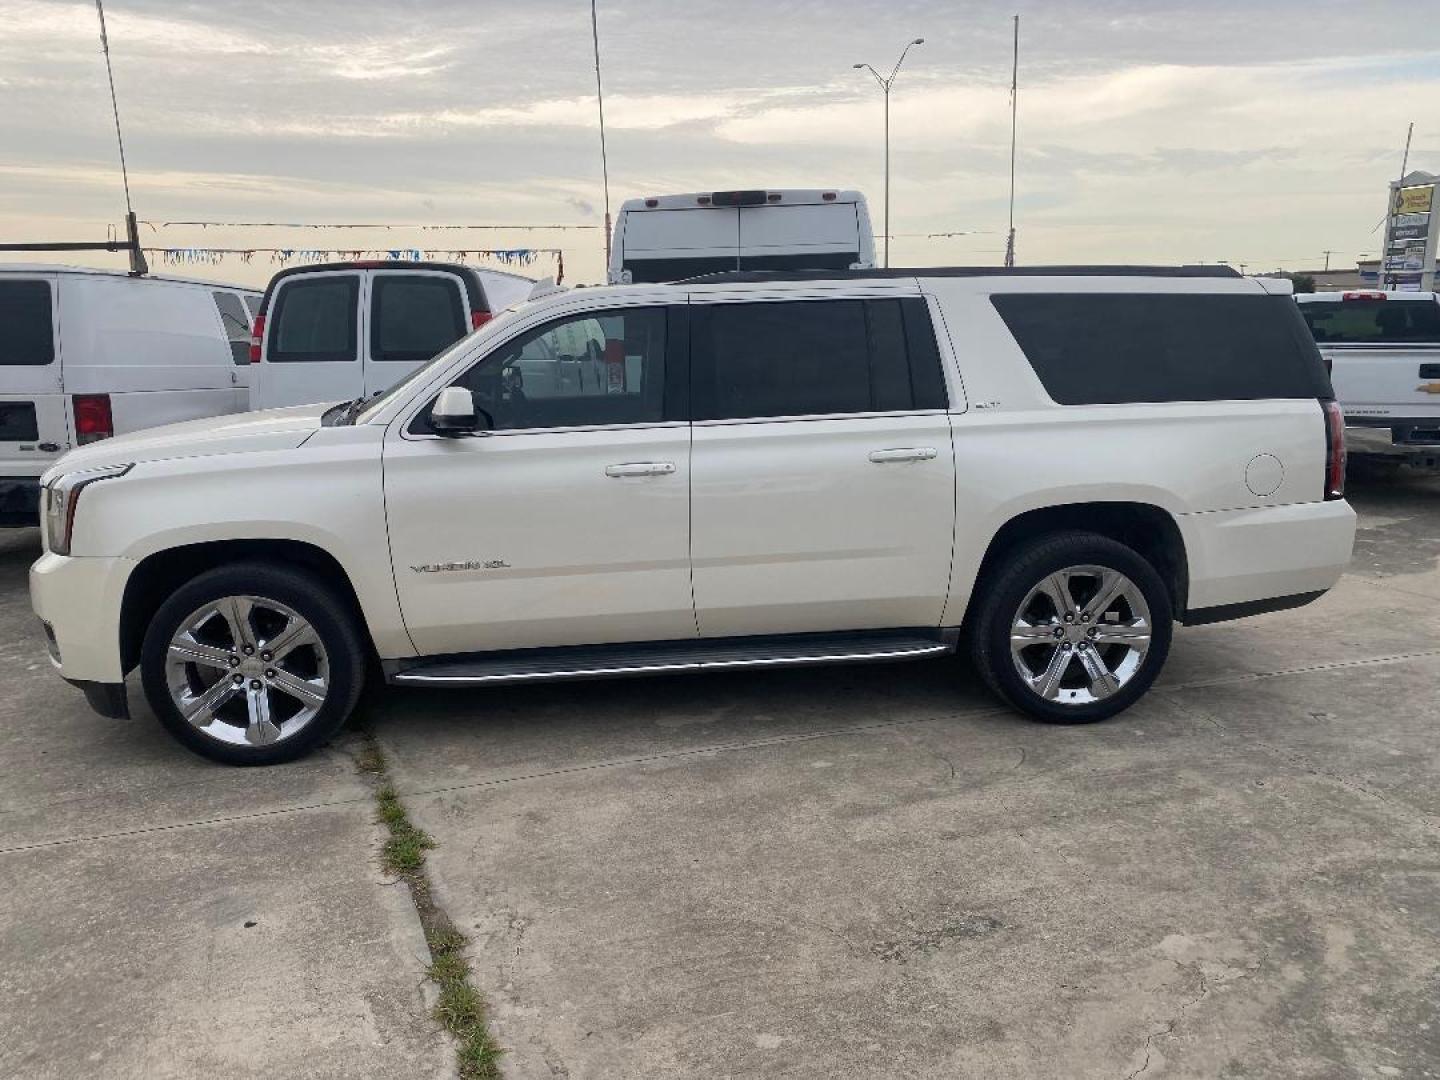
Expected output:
(1049, 466)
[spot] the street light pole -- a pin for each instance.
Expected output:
(885, 85)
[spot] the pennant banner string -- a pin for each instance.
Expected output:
(356, 225)
(212, 256)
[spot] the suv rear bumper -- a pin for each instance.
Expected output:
(1244, 557)
(19, 501)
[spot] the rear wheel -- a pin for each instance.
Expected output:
(252, 664)
(1072, 628)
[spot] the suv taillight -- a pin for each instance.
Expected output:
(92, 418)
(479, 319)
(257, 338)
(1334, 449)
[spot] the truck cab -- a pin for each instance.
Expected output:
(1383, 350)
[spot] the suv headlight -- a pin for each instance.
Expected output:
(61, 496)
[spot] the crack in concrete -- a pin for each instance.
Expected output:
(1169, 1028)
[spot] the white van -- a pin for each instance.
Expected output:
(673, 237)
(339, 331)
(1383, 349)
(86, 354)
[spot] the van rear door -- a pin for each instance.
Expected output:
(822, 236)
(411, 316)
(312, 341)
(669, 245)
(34, 430)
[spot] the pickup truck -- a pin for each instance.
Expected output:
(1041, 468)
(1383, 350)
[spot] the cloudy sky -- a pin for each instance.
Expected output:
(1150, 130)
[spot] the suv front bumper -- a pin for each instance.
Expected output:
(78, 598)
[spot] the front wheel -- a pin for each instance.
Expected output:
(252, 664)
(1072, 628)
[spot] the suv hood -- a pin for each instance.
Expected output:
(271, 429)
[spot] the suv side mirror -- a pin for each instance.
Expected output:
(453, 413)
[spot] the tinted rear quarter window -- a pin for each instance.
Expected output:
(814, 358)
(1115, 348)
(27, 338)
(415, 316)
(1378, 322)
(315, 320)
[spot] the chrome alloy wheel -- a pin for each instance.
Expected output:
(1080, 635)
(247, 671)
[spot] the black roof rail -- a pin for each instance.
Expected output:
(759, 276)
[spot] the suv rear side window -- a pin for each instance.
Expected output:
(414, 316)
(1114, 348)
(1377, 322)
(237, 325)
(315, 320)
(814, 358)
(27, 338)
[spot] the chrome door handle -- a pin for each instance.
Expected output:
(641, 468)
(908, 453)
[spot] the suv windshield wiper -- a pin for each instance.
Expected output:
(343, 415)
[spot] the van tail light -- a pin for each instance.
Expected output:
(1363, 294)
(257, 338)
(479, 319)
(92, 418)
(1334, 449)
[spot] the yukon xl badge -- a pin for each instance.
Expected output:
(469, 564)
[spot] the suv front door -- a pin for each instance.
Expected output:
(823, 487)
(566, 523)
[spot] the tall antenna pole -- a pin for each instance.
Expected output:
(137, 257)
(600, 101)
(1014, 110)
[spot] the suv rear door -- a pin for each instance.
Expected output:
(823, 480)
(32, 402)
(312, 340)
(412, 315)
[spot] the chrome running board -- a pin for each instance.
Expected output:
(668, 657)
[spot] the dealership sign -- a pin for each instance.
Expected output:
(1411, 229)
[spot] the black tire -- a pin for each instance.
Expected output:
(1006, 588)
(304, 594)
